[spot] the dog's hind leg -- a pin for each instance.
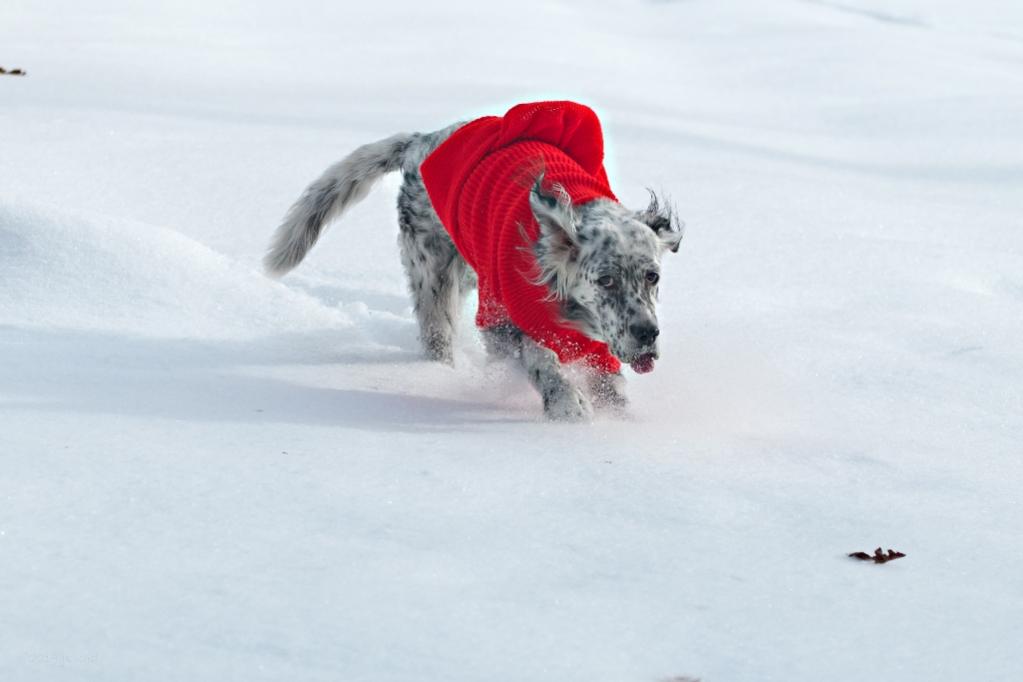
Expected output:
(502, 341)
(437, 274)
(436, 288)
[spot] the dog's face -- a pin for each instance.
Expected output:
(602, 262)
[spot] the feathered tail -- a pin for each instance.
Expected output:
(345, 183)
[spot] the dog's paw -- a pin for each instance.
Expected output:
(569, 406)
(438, 348)
(609, 392)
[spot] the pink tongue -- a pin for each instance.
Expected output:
(643, 364)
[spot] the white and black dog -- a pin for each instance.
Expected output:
(598, 260)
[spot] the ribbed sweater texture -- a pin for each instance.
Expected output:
(479, 181)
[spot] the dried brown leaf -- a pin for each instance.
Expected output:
(878, 557)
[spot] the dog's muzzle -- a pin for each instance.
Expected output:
(645, 334)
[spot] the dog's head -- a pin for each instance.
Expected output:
(601, 261)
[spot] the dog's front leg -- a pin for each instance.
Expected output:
(562, 401)
(608, 390)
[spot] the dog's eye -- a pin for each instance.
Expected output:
(652, 278)
(607, 281)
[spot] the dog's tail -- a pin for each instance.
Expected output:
(345, 183)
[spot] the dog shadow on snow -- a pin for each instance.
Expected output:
(214, 381)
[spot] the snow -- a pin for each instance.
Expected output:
(207, 474)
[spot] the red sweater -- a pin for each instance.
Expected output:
(479, 181)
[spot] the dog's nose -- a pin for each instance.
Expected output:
(645, 333)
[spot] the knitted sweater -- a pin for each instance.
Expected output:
(479, 181)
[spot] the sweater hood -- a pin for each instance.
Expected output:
(571, 127)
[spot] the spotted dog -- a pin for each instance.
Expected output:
(590, 259)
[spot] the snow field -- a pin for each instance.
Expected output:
(212, 475)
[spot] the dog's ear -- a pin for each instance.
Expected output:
(557, 248)
(552, 208)
(662, 219)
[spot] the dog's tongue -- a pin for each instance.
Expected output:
(643, 364)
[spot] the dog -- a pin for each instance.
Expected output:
(519, 207)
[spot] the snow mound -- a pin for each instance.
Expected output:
(100, 274)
